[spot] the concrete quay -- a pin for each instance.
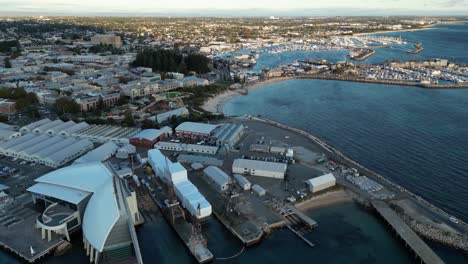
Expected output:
(417, 245)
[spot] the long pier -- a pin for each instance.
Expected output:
(417, 245)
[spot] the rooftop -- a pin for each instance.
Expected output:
(200, 128)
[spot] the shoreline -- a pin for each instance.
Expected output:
(399, 30)
(215, 104)
(325, 200)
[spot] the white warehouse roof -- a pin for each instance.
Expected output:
(321, 179)
(152, 134)
(260, 165)
(199, 128)
(99, 154)
(102, 211)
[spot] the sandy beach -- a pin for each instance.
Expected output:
(324, 200)
(216, 104)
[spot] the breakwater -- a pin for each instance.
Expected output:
(341, 158)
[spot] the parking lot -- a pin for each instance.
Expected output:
(19, 175)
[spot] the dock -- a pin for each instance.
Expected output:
(300, 224)
(411, 239)
(183, 228)
(18, 233)
(245, 227)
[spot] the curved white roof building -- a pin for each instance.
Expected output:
(101, 212)
(103, 203)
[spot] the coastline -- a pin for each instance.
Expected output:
(324, 200)
(215, 104)
(399, 30)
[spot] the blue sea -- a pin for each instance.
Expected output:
(440, 41)
(416, 137)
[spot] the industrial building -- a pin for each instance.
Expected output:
(321, 183)
(103, 133)
(28, 128)
(228, 135)
(88, 197)
(189, 196)
(194, 148)
(52, 151)
(100, 154)
(6, 134)
(68, 132)
(217, 178)
(204, 160)
(148, 137)
(49, 125)
(258, 190)
(242, 181)
(58, 128)
(259, 168)
(125, 151)
(195, 130)
(166, 116)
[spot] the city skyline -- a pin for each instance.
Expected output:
(234, 8)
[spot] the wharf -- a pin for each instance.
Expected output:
(18, 233)
(418, 48)
(417, 245)
(307, 220)
(244, 227)
(183, 228)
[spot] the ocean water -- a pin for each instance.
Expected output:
(441, 41)
(416, 137)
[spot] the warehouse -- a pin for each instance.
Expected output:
(258, 190)
(172, 146)
(6, 134)
(99, 154)
(148, 137)
(228, 135)
(16, 149)
(27, 153)
(67, 154)
(207, 161)
(30, 127)
(42, 154)
(6, 145)
(217, 178)
(166, 116)
(43, 128)
(321, 183)
(242, 181)
(103, 133)
(125, 151)
(67, 132)
(195, 130)
(259, 168)
(57, 129)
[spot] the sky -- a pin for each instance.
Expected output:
(235, 7)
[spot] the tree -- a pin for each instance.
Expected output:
(65, 105)
(128, 119)
(147, 123)
(7, 62)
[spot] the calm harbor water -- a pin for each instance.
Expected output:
(441, 41)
